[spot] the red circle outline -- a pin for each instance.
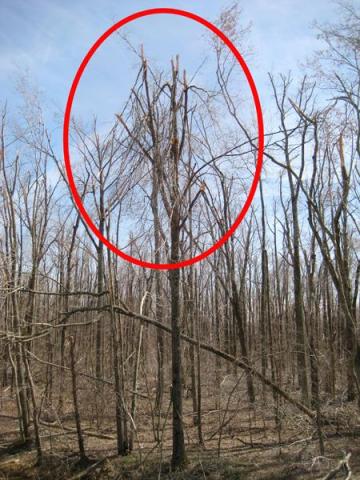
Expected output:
(69, 103)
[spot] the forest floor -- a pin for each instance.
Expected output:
(254, 464)
(246, 447)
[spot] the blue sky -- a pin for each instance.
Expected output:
(48, 39)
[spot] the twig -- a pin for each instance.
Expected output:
(343, 464)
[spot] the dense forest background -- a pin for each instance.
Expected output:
(245, 365)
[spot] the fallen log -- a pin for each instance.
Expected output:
(88, 470)
(73, 430)
(122, 309)
(208, 348)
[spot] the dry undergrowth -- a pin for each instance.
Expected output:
(249, 448)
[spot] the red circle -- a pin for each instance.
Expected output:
(76, 196)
